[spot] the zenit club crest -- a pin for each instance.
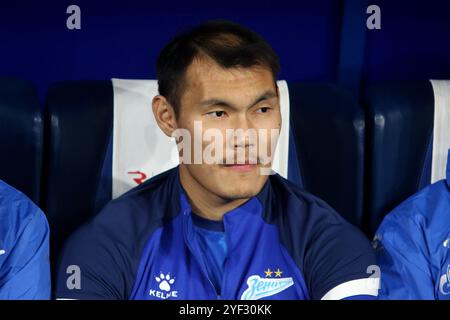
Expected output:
(260, 287)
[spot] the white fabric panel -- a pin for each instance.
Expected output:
(139, 145)
(367, 286)
(441, 132)
(280, 160)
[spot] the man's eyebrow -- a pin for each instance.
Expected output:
(222, 102)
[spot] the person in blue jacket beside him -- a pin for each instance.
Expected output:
(24, 248)
(413, 246)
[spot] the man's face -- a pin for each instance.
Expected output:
(223, 99)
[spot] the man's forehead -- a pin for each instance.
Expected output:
(206, 69)
(208, 79)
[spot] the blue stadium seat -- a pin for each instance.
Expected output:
(327, 130)
(79, 120)
(400, 118)
(21, 136)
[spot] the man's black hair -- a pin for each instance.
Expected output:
(227, 43)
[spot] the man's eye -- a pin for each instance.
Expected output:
(263, 110)
(217, 114)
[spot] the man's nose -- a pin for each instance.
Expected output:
(241, 121)
(243, 124)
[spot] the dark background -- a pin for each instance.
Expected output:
(123, 38)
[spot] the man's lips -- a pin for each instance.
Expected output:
(240, 167)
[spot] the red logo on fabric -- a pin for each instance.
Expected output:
(141, 178)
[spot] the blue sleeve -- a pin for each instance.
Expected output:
(402, 256)
(90, 268)
(96, 261)
(341, 263)
(26, 270)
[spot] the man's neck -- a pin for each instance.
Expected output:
(203, 202)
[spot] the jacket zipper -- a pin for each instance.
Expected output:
(205, 274)
(225, 266)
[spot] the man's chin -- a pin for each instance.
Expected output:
(241, 195)
(244, 190)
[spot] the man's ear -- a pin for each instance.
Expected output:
(164, 115)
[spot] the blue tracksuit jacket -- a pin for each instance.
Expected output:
(24, 247)
(282, 244)
(413, 246)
